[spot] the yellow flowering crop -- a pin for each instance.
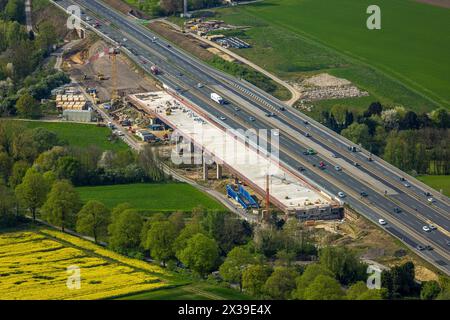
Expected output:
(34, 265)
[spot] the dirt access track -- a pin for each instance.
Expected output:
(126, 8)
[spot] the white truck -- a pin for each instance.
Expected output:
(217, 98)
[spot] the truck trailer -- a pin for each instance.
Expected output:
(215, 97)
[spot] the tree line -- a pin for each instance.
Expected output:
(415, 143)
(33, 160)
(24, 78)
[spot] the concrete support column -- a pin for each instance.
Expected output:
(205, 169)
(218, 171)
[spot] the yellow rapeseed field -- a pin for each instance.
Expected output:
(34, 265)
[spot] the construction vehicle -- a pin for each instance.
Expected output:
(101, 77)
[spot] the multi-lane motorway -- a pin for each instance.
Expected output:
(405, 205)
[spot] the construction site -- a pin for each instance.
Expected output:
(202, 141)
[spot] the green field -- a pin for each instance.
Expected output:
(199, 291)
(437, 182)
(80, 135)
(406, 62)
(166, 197)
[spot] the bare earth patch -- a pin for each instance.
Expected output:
(324, 86)
(437, 3)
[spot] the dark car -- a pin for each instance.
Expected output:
(301, 169)
(363, 194)
(397, 210)
(420, 247)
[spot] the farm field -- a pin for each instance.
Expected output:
(165, 197)
(437, 182)
(33, 265)
(80, 135)
(197, 291)
(294, 38)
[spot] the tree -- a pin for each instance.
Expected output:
(360, 291)
(344, 264)
(253, 279)
(399, 281)
(200, 255)
(6, 163)
(17, 173)
(32, 192)
(177, 219)
(280, 284)
(28, 107)
(68, 168)
(430, 290)
(358, 133)
(93, 219)
(125, 231)
(7, 205)
(374, 108)
(441, 118)
(160, 240)
(190, 230)
(15, 10)
(234, 265)
(62, 204)
(311, 272)
(324, 288)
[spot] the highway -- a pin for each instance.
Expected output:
(403, 204)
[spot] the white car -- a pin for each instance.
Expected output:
(382, 222)
(223, 118)
(341, 194)
(426, 228)
(407, 185)
(430, 200)
(333, 155)
(337, 168)
(276, 133)
(432, 227)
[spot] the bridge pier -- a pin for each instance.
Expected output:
(219, 169)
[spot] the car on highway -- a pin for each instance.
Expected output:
(305, 122)
(237, 109)
(222, 118)
(363, 194)
(282, 108)
(337, 168)
(276, 132)
(341, 194)
(356, 164)
(251, 119)
(407, 185)
(333, 155)
(402, 179)
(432, 227)
(420, 247)
(397, 210)
(199, 85)
(301, 169)
(428, 247)
(382, 222)
(426, 228)
(310, 152)
(307, 134)
(322, 165)
(430, 200)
